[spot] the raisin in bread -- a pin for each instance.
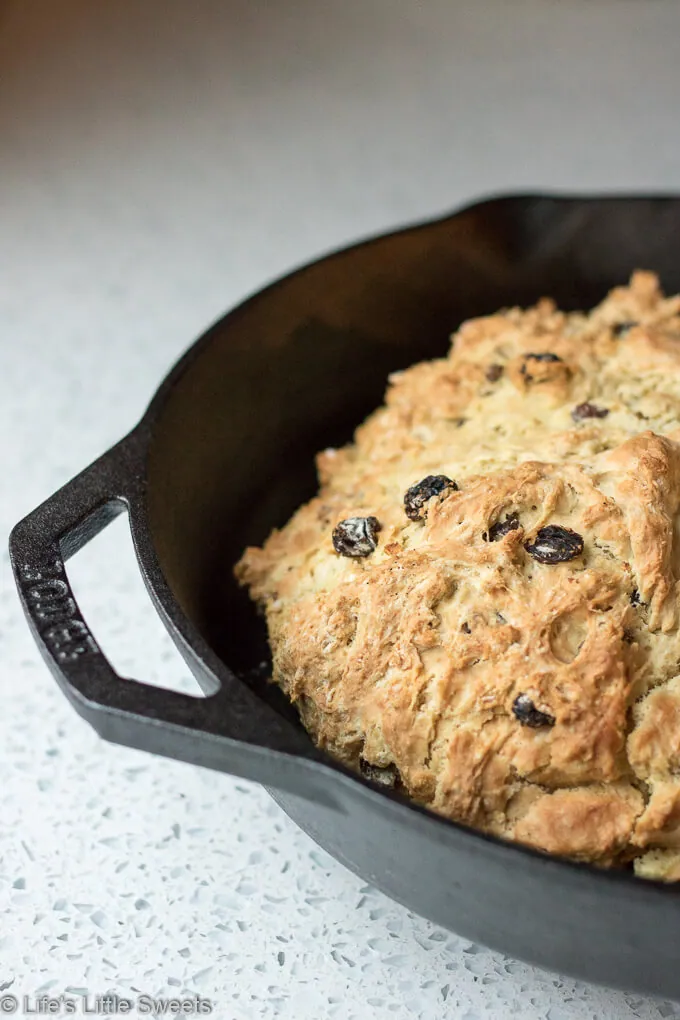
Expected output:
(482, 602)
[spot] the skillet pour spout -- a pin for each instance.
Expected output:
(225, 452)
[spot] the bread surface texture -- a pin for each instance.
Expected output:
(482, 602)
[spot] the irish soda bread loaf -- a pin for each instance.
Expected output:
(482, 603)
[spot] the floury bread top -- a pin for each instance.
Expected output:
(481, 604)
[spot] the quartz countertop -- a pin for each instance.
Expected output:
(158, 162)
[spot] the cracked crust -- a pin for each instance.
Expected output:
(412, 657)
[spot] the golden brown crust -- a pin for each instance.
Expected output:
(414, 656)
(663, 865)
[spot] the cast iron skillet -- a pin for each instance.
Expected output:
(225, 452)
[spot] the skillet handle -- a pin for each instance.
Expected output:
(231, 730)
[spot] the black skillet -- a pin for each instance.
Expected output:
(225, 452)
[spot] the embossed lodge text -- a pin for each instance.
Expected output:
(55, 612)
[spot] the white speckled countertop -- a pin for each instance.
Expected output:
(158, 161)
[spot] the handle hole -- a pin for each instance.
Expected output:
(111, 594)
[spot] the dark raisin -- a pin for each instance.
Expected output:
(621, 328)
(554, 544)
(356, 536)
(417, 496)
(466, 628)
(387, 776)
(526, 712)
(501, 528)
(494, 372)
(587, 410)
(635, 599)
(545, 356)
